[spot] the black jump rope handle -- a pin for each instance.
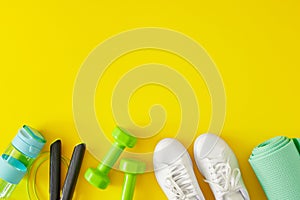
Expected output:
(55, 161)
(73, 172)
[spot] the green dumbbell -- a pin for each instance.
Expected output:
(99, 176)
(131, 168)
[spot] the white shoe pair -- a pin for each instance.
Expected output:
(215, 160)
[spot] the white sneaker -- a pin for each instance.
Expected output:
(218, 164)
(174, 171)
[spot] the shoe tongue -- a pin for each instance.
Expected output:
(234, 196)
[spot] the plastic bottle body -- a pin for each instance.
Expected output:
(17, 158)
(11, 152)
(6, 189)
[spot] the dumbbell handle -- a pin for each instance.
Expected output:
(111, 158)
(128, 186)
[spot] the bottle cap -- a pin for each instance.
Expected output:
(29, 141)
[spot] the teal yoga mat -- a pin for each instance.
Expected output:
(276, 164)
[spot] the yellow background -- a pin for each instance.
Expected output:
(255, 45)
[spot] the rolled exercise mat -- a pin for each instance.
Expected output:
(276, 164)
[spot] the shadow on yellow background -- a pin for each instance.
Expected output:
(254, 44)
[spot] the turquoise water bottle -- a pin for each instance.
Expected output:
(18, 157)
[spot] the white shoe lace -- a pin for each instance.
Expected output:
(223, 178)
(180, 183)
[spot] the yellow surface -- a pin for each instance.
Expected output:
(255, 45)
